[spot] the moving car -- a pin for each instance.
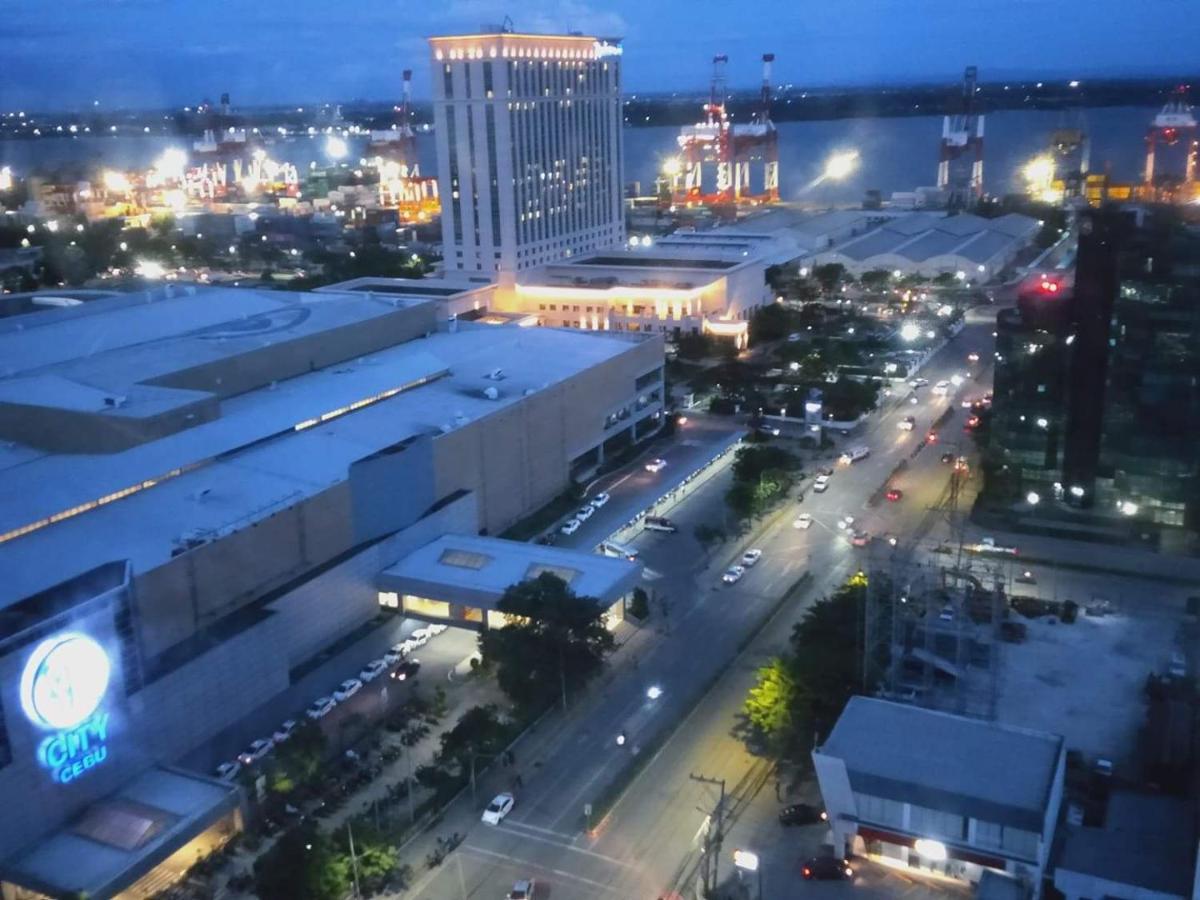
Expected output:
(854, 454)
(750, 557)
(284, 731)
(320, 708)
(570, 526)
(347, 689)
(523, 890)
(772, 430)
(908, 423)
(947, 457)
(599, 500)
(733, 574)
(659, 523)
(972, 357)
(804, 520)
(585, 513)
(918, 382)
(821, 485)
(372, 670)
(256, 751)
(656, 465)
(500, 807)
(827, 868)
(408, 669)
(894, 494)
(891, 539)
(802, 814)
(227, 771)
(860, 539)
(941, 388)
(931, 438)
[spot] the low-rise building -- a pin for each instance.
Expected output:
(936, 792)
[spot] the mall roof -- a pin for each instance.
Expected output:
(476, 571)
(119, 839)
(434, 288)
(252, 460)
(918, 237)
(993, 772)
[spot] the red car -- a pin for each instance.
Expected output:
(931, 438)
(895, 494)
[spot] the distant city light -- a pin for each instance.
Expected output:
(335, 147)
(6, 179)
(1129, 508)
(1076, 491)
(672, 166)
(1043, 423)
(148, 268)
(910, 331)
(1073, 83)
(745, 860)
(116, 182)
(960, 275)
(896, 273)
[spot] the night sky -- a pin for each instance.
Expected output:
(57, 54)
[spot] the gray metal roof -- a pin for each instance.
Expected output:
(992, 772)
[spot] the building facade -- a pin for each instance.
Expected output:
(188, 477)
(891, 795)
(529, 148)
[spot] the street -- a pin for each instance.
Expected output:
(646, 845)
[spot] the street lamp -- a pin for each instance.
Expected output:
(747, 861)
(840, 165)
(1033, 498)
(910, 331)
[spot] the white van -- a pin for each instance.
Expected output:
(620, 551)
(854, 454)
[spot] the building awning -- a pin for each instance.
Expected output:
(117, 840)
(476, 571)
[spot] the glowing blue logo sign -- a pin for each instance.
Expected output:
(62, 687)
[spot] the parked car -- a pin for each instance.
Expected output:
(585, 512)
(284, 731)
(733, 574)
(772, 430)
(600, 499)
(656, 465)
(523, 890)
(407, 669)
(227, 771)
(500, 807)
(435, 630)
(821, 484)
(393, 655)
(372, 670)
(827, 868)
(918, 382)
(659, 523)
(894, 494)
(972, 357)
(320, 708)
(802, 814)
(256, 751)
(750, 557)
(422, 634)
(804, 520)
(570, 526)
(347, 689)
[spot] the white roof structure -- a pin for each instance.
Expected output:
(260, 449)
(932, 243)
(946, 762)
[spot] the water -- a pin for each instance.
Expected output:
(895, 154)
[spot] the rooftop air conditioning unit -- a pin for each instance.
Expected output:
(491, 393)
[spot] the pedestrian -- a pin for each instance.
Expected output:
(517, 782)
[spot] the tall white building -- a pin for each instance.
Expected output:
(529, 148)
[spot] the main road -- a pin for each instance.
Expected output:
(702, 656)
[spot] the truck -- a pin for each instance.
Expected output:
(659, 523)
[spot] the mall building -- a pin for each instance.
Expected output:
(190, 477)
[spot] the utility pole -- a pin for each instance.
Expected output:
(713, 837)
(353, 860)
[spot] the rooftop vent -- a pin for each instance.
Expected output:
(491, 393)
(496, 375)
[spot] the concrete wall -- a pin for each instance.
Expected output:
(392, 489)
(1079, 886)
(838, 797)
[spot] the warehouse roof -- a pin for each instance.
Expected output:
(993, 772)
(923, 236)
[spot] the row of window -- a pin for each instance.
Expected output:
(532, 79)
(948, 826)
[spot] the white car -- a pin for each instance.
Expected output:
(284, 731)
(421, 635)
(821, 485)
(570, 526)
(908, 423)
(599, 500)
(918, 382)
(256, 751)
(772, 430)
(393, 656)
(585, 513)
(845, 522)
(733, 574)
(656, 465)
(228, 771)
(320, 708)
(347, 689)
(804, 520)
(523, 890)
(941, 388)
(750, 557)
(372, 670)
(435, 630)
(500, 807)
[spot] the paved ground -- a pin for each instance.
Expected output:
(646, 845)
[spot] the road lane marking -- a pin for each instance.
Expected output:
(550, 831)
(529, 864)
(573, 849)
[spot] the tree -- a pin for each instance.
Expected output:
(829, 275)
(553, 641)
(770, 323)
(304, 864)
(770, 705)
(639, 604)
(478, 731)
(297, 760)
(376, 857)
(706, 534)
(875, 279)
(751, 462)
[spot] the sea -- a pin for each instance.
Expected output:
(894, 154)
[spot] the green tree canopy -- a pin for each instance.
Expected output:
(829, 275)
(552, 637)
(303, 864)
(771, 703)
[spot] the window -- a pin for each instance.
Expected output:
(879, 810)
(447, 82)
(988, 834)
(935, 823)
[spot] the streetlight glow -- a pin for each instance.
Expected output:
(840, 165)
(335, 147)
(672, 166)
(910, 331)
(934, 851)
(1033, 498)
(746, 860)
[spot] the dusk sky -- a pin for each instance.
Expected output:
(58, 54)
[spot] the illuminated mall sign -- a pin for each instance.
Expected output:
(62, 689)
